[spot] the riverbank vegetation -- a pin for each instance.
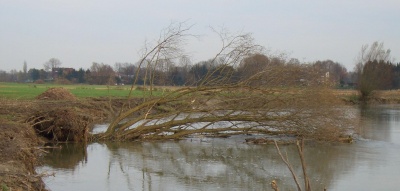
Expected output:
(375, 70)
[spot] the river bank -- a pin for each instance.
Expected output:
(21, 147)
(378, 97)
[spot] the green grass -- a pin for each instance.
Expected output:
(4, 187)
(26, 91)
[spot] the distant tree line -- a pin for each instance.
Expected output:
(379, 74)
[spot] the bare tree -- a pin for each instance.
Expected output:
(168, 47)
(367, 53)
(25, 67)
(300, 149)
(52, 63)
(101, 74)
(125, 72)
(376, 51)
(287, 100)
(367, 80)
(24, 73)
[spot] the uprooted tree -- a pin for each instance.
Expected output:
(292, 99)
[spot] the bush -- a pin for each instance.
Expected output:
(62, 81)
(39, 81)
(141, 88)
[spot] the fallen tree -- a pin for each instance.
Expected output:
(279, 99)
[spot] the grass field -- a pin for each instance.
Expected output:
(28, 91)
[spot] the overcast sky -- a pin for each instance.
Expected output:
(80, 32)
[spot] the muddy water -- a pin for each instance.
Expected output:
(371, 163)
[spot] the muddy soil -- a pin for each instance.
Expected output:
(22, 144)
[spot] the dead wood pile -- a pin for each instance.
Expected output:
(56, 94)
(62, 124)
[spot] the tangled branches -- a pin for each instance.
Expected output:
(277, 99)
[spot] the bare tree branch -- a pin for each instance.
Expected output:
(300, 148)
(276, 99)
(289, 166)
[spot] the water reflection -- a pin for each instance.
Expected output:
(217, 164)
(381, 123)
(231, 164)
(66, 156)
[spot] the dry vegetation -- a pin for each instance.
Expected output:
(56, 94)
(278, 99)
(57, 120)
(18, 148)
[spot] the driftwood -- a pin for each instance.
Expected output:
(274, 185)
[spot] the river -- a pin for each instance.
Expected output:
(370, 163)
